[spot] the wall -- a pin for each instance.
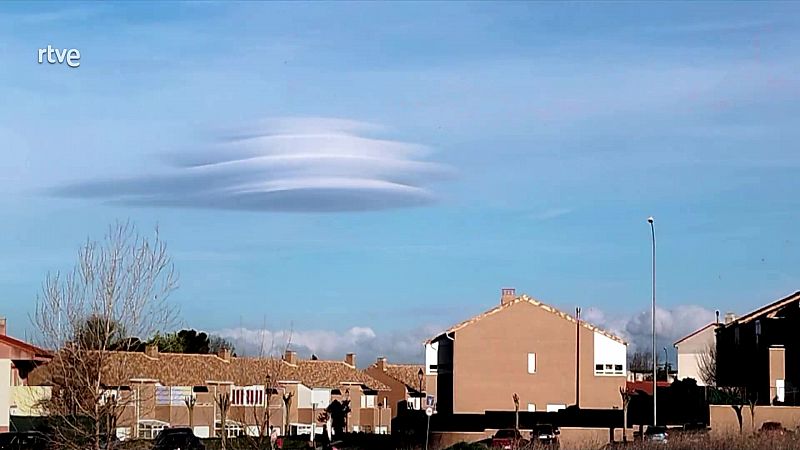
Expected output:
(5, 393)
(491, 363)
(570, 438)
(691, 350)
(397, 392)
(723, 418)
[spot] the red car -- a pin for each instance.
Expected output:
(508, 440)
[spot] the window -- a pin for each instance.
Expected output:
(248, 396)
(736, 335)
(554, 408)
(382, 430)
(609, 369)
(531, 407)
(780, 390)
(232, 429)
(172, 395)
(415, 403)
(355, 428)
(149, 429)
(368, 401)
(531, 362)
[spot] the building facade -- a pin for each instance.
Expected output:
(156, 390)
(760, 352)
(406, 384)
(695, 354)
(17, 359)
(547, 358)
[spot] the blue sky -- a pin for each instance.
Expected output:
(468, 147)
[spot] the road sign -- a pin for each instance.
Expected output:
(429, 412)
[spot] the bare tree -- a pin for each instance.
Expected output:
(190, 402)
(735, 397)
(117, 289)
(751, 403)
(223, 401)
(270, 366)
(707, 362)
(626, 400)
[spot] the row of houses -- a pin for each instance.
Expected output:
(549, 359)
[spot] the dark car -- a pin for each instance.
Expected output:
(177, 439)
(545, 435)
(773, 429)
(656, 434)
(25, 440)
(508, 440)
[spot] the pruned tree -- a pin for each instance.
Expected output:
(707, 365)
(117, 290)
(287, 398)
(515, 397)
(223, 401)
(626, 400)
(752, 401)
(190, 402)
(641, 362)
(736, 397)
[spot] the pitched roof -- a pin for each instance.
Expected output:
(332, 374)
(178, 369)
(407, 374)
(695, 332)
(24, 346)
(768, 310)
(527, 300)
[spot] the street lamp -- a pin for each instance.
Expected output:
(666, 364)
(651, 221)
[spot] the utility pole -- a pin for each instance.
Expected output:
(577, 356)
(651, 221)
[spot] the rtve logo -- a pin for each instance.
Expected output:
(55, 56)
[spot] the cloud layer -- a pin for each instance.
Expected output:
(402, 346)
(302, 165)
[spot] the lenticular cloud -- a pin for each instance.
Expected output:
(313, 165)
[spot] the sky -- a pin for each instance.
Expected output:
(360, 176)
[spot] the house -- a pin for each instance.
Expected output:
(696, 353)
(524, 347)
(17, 359)
(406, 383)
(760, 352)
(154, 391)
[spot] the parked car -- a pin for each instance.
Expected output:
(773, 428)
(177, 439)
(656, 434)
(545, 435)
(25, 440)
(508, 439)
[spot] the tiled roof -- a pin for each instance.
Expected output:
(332, 374)
(24, 346)
(766, 311)
(525, 299)
(407, 374)
(177, 369)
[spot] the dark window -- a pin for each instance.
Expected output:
(598, 367)
(618, 367)
(200, 389)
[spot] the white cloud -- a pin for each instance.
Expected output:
(404, 346)
(290, 164)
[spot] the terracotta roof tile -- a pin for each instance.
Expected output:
(407, 374)
(177, 369)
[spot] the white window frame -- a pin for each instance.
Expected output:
(531, 363)
(232, 429)
(149, 429)
(780, 390)
(555, 407)
(609, 370)
(531, 407)
(368, 401)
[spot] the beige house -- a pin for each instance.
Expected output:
(406, 383)
(17, 359)
(153, 389)
(694, 350)
(524, 347)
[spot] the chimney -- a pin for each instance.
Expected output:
(290, 357)
(151, 350)
(2, 326)
(381, 364)
(507, 295)
(350, 359)
(729, 317)
(716, 313)
(224, 353)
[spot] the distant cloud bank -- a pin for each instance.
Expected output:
(286, 164)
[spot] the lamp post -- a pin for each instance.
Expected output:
(666, 364)
(651, 221)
